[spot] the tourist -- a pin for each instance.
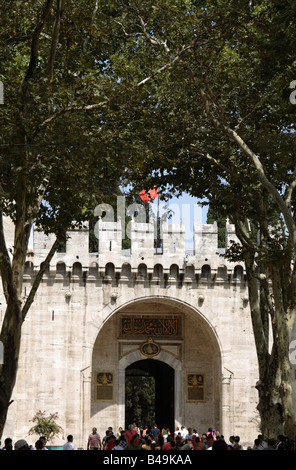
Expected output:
(111, 431)
(122, 440)
(189, 434)
(210, 441)
(176, 432)
(120, 430)
(204, 438)
(21, 444)
(117, 445)
(195, 437)
(281, 442)
(130, 433)
(270, 444)
(120, 444)
(210, 431)
(145, 430)
(187, 445)
(199, 446)
(94, 440)
(183, 432)
(165, 432)
(147, 443)
(179, 441)
(219, 444)
(106, 438)
(135, 443)
(43, 440)
(167, 445)
(172, 445)
(231, 440)
(69, 444)
(236, 445)
(258, 445)
(137, 429)
(262, 441)
(110, 442)
(7, 444)
(155, 431)
(38, 445)
(178, 437)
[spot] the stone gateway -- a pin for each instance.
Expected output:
(181, 317)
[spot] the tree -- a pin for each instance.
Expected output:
(46, 425)
(220, 125)
(191, 96)
(61, 153)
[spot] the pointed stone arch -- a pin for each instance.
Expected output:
(198, 351)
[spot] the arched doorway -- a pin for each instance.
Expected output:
(149, 393)
(194, 352)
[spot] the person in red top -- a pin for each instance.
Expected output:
(130, 433)
(167, 446)
(110, 444)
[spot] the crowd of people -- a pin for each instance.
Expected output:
(152, 438)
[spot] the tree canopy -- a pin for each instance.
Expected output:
(191, 96)
(61, 152)
(218, 119)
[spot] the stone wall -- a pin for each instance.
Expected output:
(71, 331)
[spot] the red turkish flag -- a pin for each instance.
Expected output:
(146, 197)
(153, 192)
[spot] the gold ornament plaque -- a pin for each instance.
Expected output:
(195, 387)
(104, 386)
(149, 348)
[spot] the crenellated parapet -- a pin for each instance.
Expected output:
(168, 262)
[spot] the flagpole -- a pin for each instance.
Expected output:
(158, 225)
(146, 197)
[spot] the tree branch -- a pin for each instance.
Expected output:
(290, 189)
(69, 110)
(38, 278)
(152, 39)
(101, 104)
(55, 36)
(35, 45)
(161, 69)
(256, 163)
(5, 263)
(94, 14)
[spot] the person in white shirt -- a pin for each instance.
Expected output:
(69, 444)
(183, 431)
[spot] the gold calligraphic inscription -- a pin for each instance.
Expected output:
(104, 386)
(150, 326)
(150, 348)
(195, 387)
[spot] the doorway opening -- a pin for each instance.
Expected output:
(149, 394)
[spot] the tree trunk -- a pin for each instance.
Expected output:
(275, 384)
(15, 315)
(270, 410)
(275, 405)
(11, 338)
